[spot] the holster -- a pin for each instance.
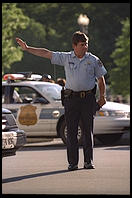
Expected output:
(62, 96)
(65, 93)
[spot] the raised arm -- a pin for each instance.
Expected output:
(36, 51)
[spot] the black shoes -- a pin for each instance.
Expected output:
(86, 166)
(89, 165)
(72, 167)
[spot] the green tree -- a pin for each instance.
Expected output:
(120, 75)
(12, 20)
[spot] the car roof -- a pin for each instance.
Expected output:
(29, 82)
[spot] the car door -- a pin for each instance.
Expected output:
(31, 109)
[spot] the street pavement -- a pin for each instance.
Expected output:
(42, 169)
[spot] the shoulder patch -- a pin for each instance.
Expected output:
(100, 63)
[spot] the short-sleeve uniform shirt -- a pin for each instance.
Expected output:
(80, 74)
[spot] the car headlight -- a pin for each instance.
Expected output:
(103, 113)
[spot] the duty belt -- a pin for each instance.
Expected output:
(81, 94)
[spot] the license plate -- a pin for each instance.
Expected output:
(7, 141)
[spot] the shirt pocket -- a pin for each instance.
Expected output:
(72, 65)
(88, 67)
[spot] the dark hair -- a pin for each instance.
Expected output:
(79, 37)
(61, 81)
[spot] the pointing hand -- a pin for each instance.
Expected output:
(21, 43)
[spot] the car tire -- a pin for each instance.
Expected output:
(109, 138)
(63, 132)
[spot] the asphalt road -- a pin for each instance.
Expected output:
(42, 169)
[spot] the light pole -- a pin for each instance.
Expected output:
(54, 72)
(83, 21)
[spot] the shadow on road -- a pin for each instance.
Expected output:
(43, 147)
(15, 179)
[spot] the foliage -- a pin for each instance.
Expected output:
(12, 21)
(120, 75)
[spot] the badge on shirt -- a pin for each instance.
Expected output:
(100, 63)
(88, 63)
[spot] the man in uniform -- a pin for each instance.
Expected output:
(82, 69)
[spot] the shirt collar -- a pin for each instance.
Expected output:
(74, 56)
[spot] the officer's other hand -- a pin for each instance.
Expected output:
(21, 43)
(101, 101)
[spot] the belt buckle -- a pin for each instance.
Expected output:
(82, 94)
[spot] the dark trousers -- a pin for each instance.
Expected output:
(77, 109)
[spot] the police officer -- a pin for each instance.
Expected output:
(82, 69)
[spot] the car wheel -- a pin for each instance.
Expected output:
(63, 132)
(109, 138)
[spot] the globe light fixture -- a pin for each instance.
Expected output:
(83, 21)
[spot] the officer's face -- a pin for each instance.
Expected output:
(80, 49)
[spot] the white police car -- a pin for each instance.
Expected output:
(37, 108)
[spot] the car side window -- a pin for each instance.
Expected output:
(29, 95)
(26, 94)
(7, 94)
(16, 96)
(21, 94)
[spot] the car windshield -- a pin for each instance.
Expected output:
(52, 91)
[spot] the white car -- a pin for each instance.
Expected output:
(112, 121)
(38, 111)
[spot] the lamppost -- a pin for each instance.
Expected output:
(83, 21)
(54, 72)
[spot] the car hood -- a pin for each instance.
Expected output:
(116, 106)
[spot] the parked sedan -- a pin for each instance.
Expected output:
(12, 137)
(38, 111)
